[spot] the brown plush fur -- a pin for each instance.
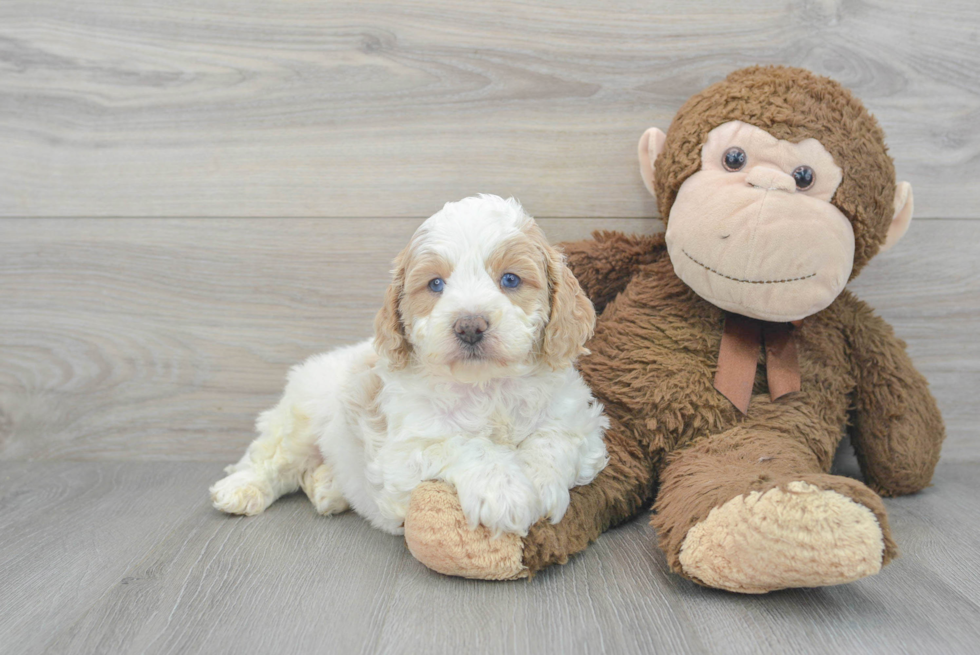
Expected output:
(656, 346)
(653, 358)
(652, 364)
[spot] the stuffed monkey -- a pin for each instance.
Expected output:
(731, 359)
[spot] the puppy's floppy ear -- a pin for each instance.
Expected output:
(389, 332)
(572, 318)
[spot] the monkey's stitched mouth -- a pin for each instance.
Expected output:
(735, 279)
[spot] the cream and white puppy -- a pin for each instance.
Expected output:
(469, 380)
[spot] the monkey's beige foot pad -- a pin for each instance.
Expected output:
(798, 537)
(438, 536)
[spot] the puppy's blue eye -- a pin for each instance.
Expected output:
(510, 281)
(437, 285)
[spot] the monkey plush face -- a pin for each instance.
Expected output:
(754, 231)
(770, 216)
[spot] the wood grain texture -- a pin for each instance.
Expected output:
(163, 339)
(928, 288)
(70, 532)
(290, 581)
(152, 339)
(149, 340)
(382, 108)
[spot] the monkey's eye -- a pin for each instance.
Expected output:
(734, 159)
(510, 281)
(804, 177)
(437, 285)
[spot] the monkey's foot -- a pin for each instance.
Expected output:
(438, 536)
(798, 537)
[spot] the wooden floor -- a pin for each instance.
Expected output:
(128, 557)
(197, 194)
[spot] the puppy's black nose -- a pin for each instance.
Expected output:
(470, 329)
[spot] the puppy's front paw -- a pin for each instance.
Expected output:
(554, 498)
(241, 493)
(501, 500)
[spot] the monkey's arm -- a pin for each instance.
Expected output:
(898, 430)
(438, 536)
(605, 263)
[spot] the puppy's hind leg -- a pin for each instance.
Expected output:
(323, 490)
(272, 466)
(286, 451)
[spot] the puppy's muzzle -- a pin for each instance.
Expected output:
(470, 329)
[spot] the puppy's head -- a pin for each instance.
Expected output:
(479, 293)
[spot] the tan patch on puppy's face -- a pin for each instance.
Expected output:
(522, 256)
(419, 300)
(539, 317)
(548, 290)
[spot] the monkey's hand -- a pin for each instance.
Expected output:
(605, 263)
(438, 535)
(898, 430)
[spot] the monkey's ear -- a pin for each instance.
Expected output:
(903, 215)
(651, 143)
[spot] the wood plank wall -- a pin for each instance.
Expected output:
(227, 180)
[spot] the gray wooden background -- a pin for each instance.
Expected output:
(197, 194)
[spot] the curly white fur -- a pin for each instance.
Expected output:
(509, 422)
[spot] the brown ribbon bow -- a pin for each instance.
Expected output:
(739, 357)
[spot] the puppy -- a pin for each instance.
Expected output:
(468, 380)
